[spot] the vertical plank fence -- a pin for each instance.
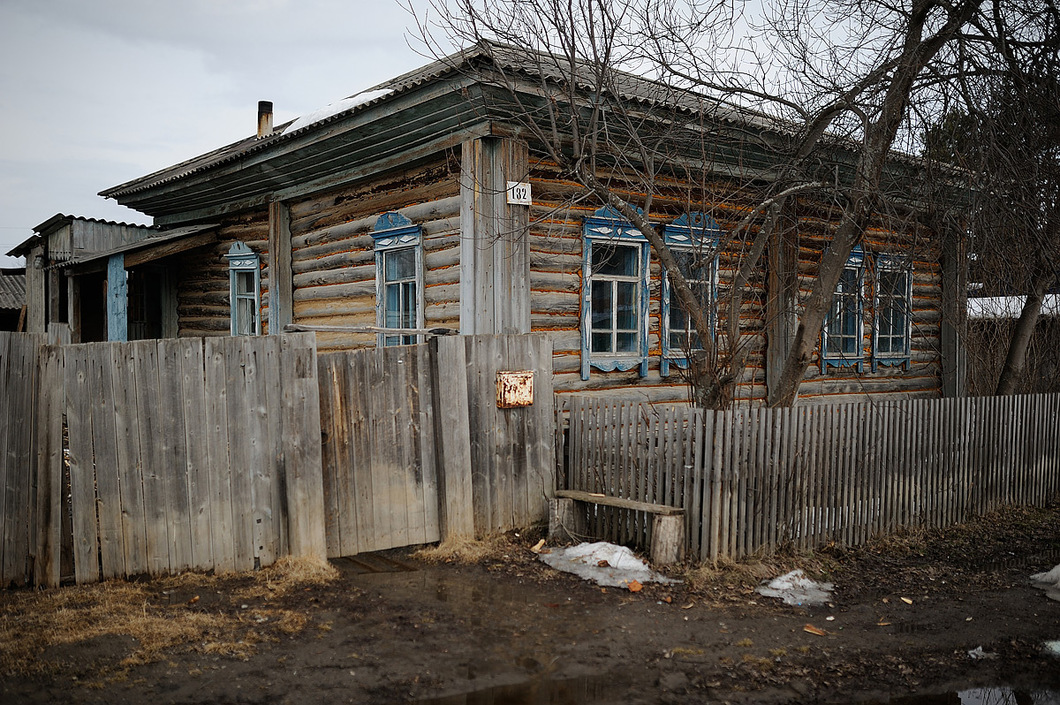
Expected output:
(181, 454)
(19, 446)
(752, 480)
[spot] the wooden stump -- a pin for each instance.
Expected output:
(668, 539)
(564, 520)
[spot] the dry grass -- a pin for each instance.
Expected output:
(466, 551)
(34, 623)
(727, 574)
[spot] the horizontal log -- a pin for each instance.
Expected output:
(344, 275)
(433, 210)
(334, 307)
(360, 248)
(306, 328)
(315, 293)
(339, 257)
(621, 502)
(442, 293)
(440, 259)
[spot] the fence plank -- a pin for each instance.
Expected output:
(173, 461)
(82, 480)
(193, 384)
(300, 415)
(219, 456)
(453, 433)
(105, 462)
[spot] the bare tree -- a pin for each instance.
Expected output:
(650, 89)
(1003, 129)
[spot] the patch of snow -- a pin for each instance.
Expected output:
(1049, 581)
(604, 563)
(335, 108)
(795, 588)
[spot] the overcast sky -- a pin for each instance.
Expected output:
(95, 93)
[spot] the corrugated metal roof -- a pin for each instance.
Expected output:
(474, 61)
(161, 237)
(12, 288)
(427, 106)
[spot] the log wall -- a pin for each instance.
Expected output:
(556, 221)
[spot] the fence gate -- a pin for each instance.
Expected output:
(416, 447)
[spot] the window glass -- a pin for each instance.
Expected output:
(892, 315)
(843, 332)
(697, 268)
(613, 298)
(400, 293)
(615, 260)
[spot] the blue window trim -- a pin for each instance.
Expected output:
(607, 226)
(692, 231)
(855, 261)
(243, 259)
(393, 231)
(892, 263)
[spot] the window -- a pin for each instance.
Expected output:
(614, 295)
(399, 279)
(842, 334)
(892, 307)
(244, 284)
(693, 240)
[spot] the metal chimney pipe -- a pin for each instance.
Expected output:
(264, 118)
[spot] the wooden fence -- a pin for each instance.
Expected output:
(18, 455)
(189, 453)
(751, 480)
(416, 447)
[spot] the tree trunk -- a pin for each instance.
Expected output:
(1021, 338)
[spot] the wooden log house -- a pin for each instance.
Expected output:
(392, 210)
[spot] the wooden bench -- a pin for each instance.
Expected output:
(667, 529)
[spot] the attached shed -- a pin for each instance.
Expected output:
(92, 280)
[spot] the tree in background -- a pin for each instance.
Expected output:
(814, 79)
(1002, 129)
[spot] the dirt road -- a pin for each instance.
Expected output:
(507, 629)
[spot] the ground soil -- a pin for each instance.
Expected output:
(394, 627)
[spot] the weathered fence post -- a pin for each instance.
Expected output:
(452, 437)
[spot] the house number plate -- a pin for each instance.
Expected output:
(515, 388)
(519, 193)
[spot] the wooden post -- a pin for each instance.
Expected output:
(494, 239)
(452, 437)
(35, 300)
(954, 314)
(281, 281)
(117, 299)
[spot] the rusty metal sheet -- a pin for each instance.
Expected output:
(515, 388)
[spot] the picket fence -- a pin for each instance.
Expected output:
(752, 480)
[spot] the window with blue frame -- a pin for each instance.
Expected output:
(614, 323)
(693, 240)
(892, 311)
(842, 334)
(244, 289)
(399, 278)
